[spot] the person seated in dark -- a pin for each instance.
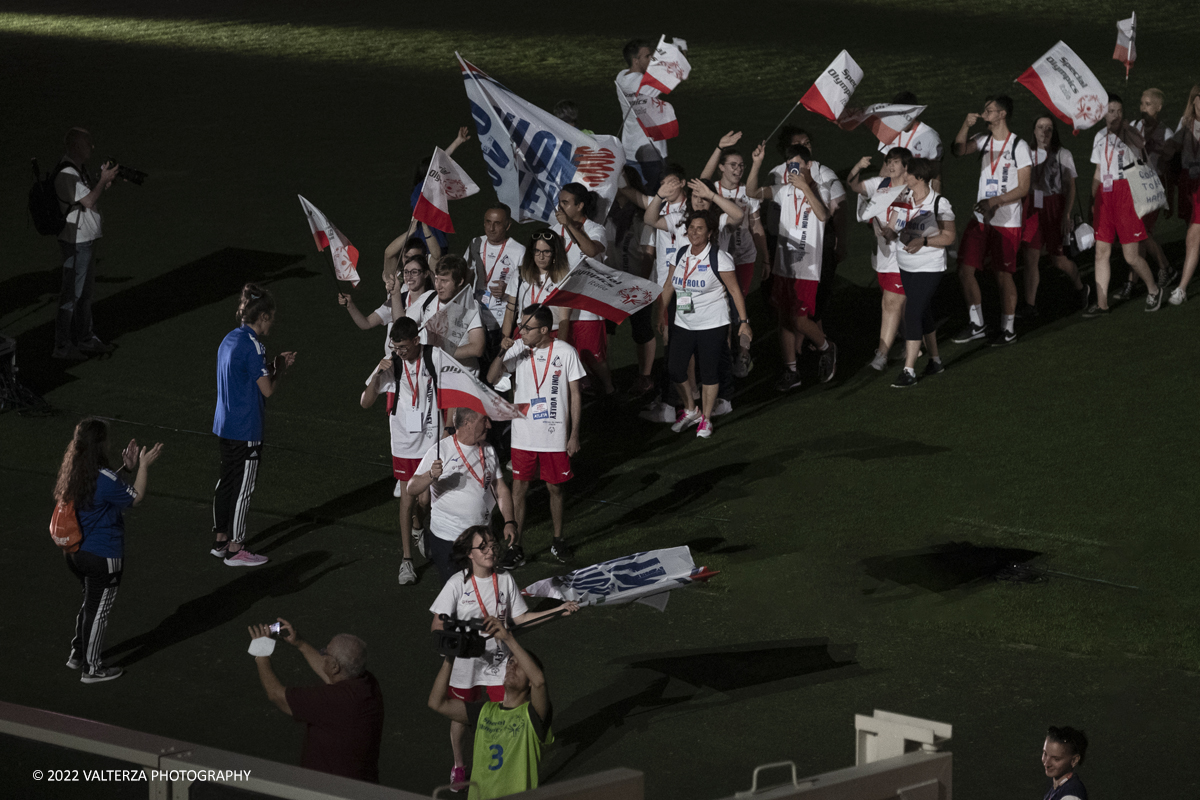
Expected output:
(343, 717)
(1062, 754)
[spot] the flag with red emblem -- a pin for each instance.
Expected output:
(326, 234)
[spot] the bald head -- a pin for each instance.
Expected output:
(350, 652)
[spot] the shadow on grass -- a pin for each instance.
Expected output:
(357, 501)
(945, 567)
(225, 604)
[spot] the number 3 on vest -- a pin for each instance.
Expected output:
(497, 756)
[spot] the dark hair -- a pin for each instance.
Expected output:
(583, 195)
(633, 180)
(499, 207)
(903, 153)
(712, 187)
(567, 111)
(455, 266)
(631, 48)
(416, 243)
(708, 217)
(676, 169)
(1113, 97)
(81, 463)
(422, 171)
(905, 98)
(794, 150)
(423, 262)
(541, 314)
(1004, 102)
(1055, 142)
(404, 329)
(559, 267)
(1074, 740)
(923, 169)
(786, 134)
(726, 152)
(75, 136)
(460, 551)
(255, 302)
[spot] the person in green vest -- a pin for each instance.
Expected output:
(509, 736)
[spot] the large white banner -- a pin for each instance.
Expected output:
(531, 153)
(1067, 87)
(642, 577)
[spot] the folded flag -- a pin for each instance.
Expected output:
(885, 120)
(1067, 87)
(1126, 53)
(447, 327)
(833, 89)
(345, 256)
(642, 577)
(611, 293)
(878, 203)
(444, 182)
(667, 68)
(656, 116)
(458, 388)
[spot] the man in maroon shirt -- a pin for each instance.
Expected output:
(343, 717)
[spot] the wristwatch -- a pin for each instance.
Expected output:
(744, 321)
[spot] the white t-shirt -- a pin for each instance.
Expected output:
(491, 263)
(699, 287)
(801, 235)
(417, 424)
(457, 499)
(917, 221)
(922, 141)
(1189, 146)
(883, 256)
(384, 312)
(543, 378)
(83, 224)
(1111, 155)
(1000, 177)
(421, 311)
(741, 247)
(633, 137)
(595, 232)
(668, 241)
(675, 221)
(1155, 143)
(528, 294)
(458, 600)
(1051, 178)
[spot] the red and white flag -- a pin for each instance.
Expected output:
(832, 90)
(884, 120)
(611, 293)
(345, 255)
(667, 69)
(1067, 87)
(657, 117)
(458, 388)
(447, 327)
(1126, 53)
(444, 182)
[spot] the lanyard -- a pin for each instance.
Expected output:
(1108, 156)
(798, 203)
(992, 153)
(412, 384)
(470, 469)
(568, 240)
(687, 273)
(537, 385)
(499, 256)
(911, 135)
(496, 595)
(534, 294)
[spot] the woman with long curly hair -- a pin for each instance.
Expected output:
(86, 480)
(543, 268)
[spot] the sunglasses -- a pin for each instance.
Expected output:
(544, 236)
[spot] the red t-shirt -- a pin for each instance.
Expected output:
(343, 726)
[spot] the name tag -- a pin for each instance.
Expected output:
(686, 304)
(539, 408)
(1107, 183)
(1038, 199)
(991, 188)
(412, 419)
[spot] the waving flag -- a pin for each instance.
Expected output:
(878, 203)
(447, 327)
(1067, 87)
(1126, 34)
(602, 290)
(884, 120)
(668, 67)
(444, 182)
(657, 118)
(833, 89)
(642, 578)
(344, 254)
(458, 388)
(531, 154)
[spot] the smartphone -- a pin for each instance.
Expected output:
(274, 627)
(793, 168)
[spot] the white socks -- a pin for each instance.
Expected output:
(1006, 322)
(976, 316)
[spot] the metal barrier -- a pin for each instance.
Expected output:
(912, 776)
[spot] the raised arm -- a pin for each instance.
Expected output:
(962, 145)
(728, 140)
(539, 695)
(450, 707)
(820, 211)
(146, 457)
(464, 135)
(720, 201)
(855, 182)
(756, 162)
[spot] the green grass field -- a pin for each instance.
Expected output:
(851, 523)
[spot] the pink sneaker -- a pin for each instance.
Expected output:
(704, 428)
(686, 419)
(458, 776)
(244, 558)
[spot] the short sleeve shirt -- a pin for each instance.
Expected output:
(883, 256)
(83, 224)
(241, 361)
(923, 141)
(343, 726)
(420, 311)
(103, 523)
(998, 174)
(595, 232)
(465, 493)
(697, 284)
(1112, 155)
(492, 263)
(741, 246)
(528, 294)
(543, 379)
(416, 424)
(1050, 175)
(801, 235)
(667, 242)
(916, 221)
(458, 600)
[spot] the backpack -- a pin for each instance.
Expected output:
(45, 208)
(64, 527)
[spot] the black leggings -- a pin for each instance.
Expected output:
(706, 346)
(100, 578)
(919, 289)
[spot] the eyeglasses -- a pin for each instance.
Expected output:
(529, 327)
(486, 546)
(413, 273)
(546, 235)
(547, 252)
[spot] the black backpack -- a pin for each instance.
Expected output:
(45, 208)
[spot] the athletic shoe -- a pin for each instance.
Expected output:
(458, 776)
(1167, 276)
(905, 379)
(1027, 311)
(407, 573)
(1084, 292)
(101, 675)
(561, 550)
(418, 535)
(827, 362)
(643, 384)
(1002, 338)
(970, 333)
(1125, 292)
(789, 380)
(503, 385)
(686, 419)
(94, 345)
(220, 548)
(515, 557)
(1154, 301)
(1094, 310)
(1178, 297)
(743, 363)
(68, 353)
(721, 407)
(244, 558)
(74, 663)
(879, 362)
(705, 428)
(933, 368)
(658, 411)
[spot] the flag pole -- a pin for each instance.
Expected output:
(333, 270)
(785, 119)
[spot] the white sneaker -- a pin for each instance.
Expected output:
(658, 411)
(418, 535)
(705, 428)
(399, 485)
(244, 558)
(408, 574)
(1178, 297)
(687, 419)
(879, 362)
(721, 407)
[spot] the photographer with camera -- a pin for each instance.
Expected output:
(478, 593)
(343, 718)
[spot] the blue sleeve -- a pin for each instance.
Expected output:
(250, 362)
(113, 491)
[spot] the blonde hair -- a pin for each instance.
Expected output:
(1189, 113)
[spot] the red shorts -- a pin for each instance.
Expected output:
(1001, 244)
(1189, 199)
(1115, 217)
(890, 282)
(745, 276)
(589, 336)
(475, 693)
(1043, 226)
(553, 467)
(795, 297)
(404, 468)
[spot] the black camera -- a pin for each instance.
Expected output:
(459, 638)
(128, 173)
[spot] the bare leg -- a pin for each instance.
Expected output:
(685, 393)
(519, 490)
(931, 345)
(912, 349)
(1151, 247)
(458, 737)
(893, 312)
(645, 357)
(806, 327)
(970, 286)
(406, 520)
(1008, 293)
(1192, 255)
(556, 507)
(1033, 275)
(1103, 272)
(708, 398)
(1139, 265)
(1068, 266)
